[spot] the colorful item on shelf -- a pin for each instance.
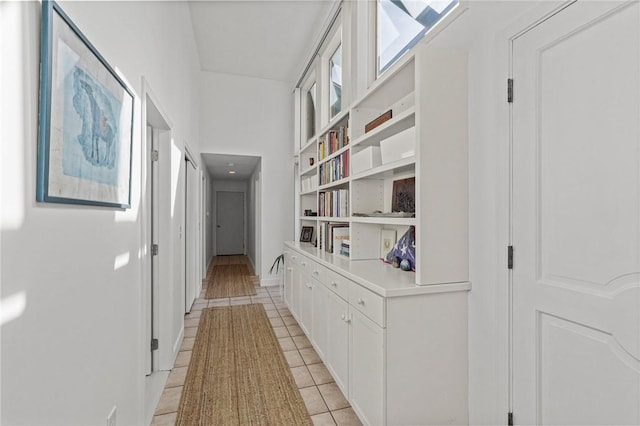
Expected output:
(404, 249)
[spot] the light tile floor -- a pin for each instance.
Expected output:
(324, 400)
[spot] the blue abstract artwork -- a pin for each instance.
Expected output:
(85, 132)
(90, 139)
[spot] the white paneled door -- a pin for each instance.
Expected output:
(230, 223)
(576, 217)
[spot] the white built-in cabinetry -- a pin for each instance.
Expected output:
(397, 351)
(427, 94)
(394, 341)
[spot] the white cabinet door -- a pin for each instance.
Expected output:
(289, 271)
(576, 204)
(366, 369)
(319, 324)
(296, 284)
(306, 303)
(337, 353)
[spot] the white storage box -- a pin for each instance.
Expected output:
(401, 145)
(366, 159)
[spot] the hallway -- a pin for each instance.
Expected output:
(324, 400)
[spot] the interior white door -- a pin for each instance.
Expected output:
(576, 217)
(191, 234)
(230, 223)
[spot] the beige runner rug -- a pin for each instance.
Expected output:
(238, 374)
(230, 281)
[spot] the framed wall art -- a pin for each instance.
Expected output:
(86, 120)
(404, 195)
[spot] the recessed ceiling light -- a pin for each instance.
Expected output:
(230, 164)
(232, 172)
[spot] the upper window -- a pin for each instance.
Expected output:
(310, 109)
(402, 23)
(335, 83)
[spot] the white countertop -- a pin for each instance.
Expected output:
(375, 275)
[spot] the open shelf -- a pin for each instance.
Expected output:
(402, 121)
(404, 165)
(334, 219)
(342, 182)
(399, 221)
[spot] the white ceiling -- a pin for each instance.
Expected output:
(258, 38)
(218, 166)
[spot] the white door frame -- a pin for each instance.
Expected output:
(195, 186)
(158, 303)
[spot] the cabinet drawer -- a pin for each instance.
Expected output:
(306, 264)
(317, 271)
(337, 283)
(367, 302)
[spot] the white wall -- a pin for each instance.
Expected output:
(72, 274)
(250, 116)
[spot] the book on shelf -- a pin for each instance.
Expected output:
(345, 248)
(332, 141)
(340, 234)
(331, 236)
(335, 169)
(334, 203)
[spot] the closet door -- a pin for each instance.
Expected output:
(576, 217)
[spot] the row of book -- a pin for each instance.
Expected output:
(333, 141)
(335, 169)
(334, 203)
(332, 236)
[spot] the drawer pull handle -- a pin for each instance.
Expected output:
(303, 263)
(335, 284)
(343, 317)
(309, 286)
(316, 272)
(360, 301)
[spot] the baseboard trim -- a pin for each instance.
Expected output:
(270, 282)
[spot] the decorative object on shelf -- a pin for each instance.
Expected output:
(378, 121)
(398, 146)
(306, 234)
(366, 159)
(404, 195)
(86, 120)
(405, 265)
(307, 212)
(387, 241)
(311, 161)
(404, 249)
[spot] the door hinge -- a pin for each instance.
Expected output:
(154, 344)
(154, 155)
(509, 419)
(510, 257)
(154, 249)
(510, 90)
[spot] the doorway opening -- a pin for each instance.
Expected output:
(235, 194)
